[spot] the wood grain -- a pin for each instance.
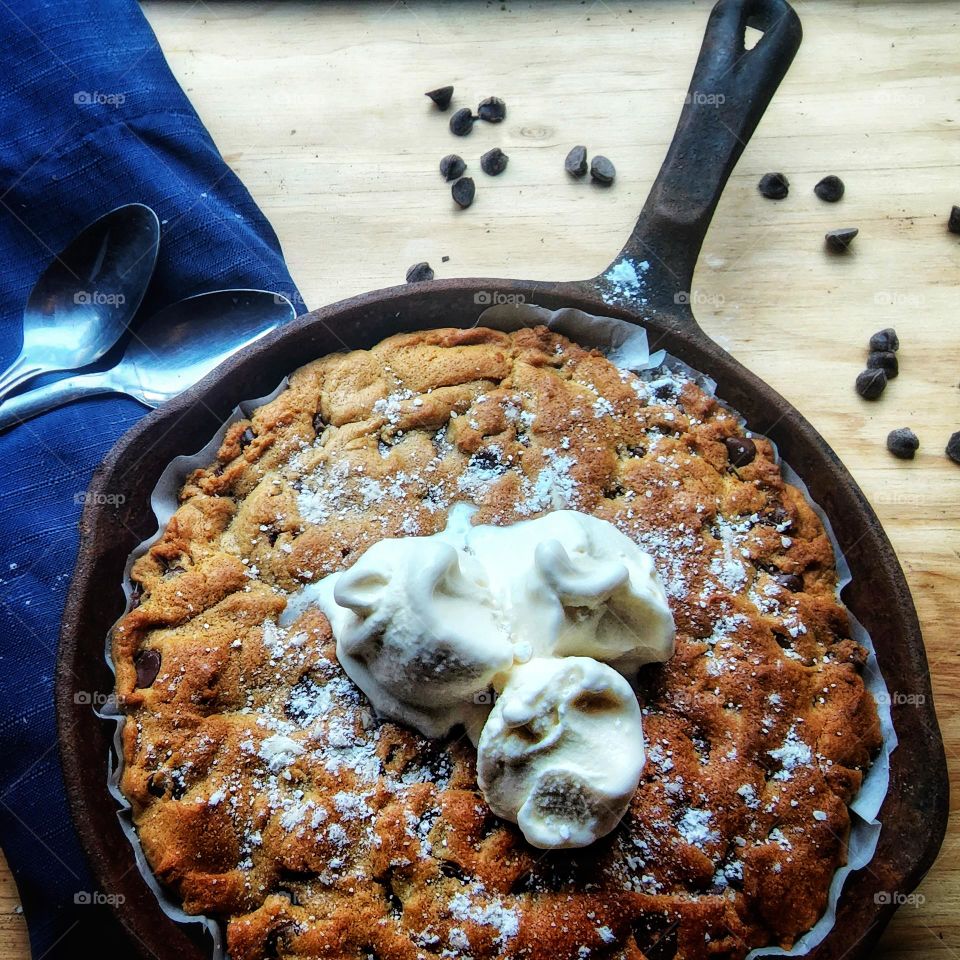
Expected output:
(319, 109)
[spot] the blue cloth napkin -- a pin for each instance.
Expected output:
(91, 118)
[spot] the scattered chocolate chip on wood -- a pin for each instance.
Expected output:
(461, 123)
(602, 170)
(840, 239)
(441, 97)
(493, 110)
(871, 383)
(953, 222)
(774, 186)
(576, 162)
(885, 339)
(419, 272)
(452, 167)
(463, 192)
(903, 443)
(740, 450)
(147, 665)
(953, 447)
(830, 189)
(885, 360)
(494, 162)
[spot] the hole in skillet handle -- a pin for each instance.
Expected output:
(751, 36)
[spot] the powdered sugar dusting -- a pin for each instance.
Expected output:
(794, 753)
(480, 907)
(625, 281)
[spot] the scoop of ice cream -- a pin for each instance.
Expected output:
(417, 630)
(544, 612)
(562, 751)
(575, 585)
(614, 607)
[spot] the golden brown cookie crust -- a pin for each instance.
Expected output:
(266, 793)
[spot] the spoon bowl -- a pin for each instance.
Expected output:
(86, 298)
(171, 351)
(183, 342)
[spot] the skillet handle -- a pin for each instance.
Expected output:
(728, 94)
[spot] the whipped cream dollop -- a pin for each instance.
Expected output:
(545, 617)
(562, 750)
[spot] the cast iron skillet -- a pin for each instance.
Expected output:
(731, 87)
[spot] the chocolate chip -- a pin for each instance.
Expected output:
(774, 186)
(419, 271)
(450, 868)
(953, 222)
(394, 903)
(441, 96)
(903, 443)
(885, 339)
(461, 123)
(318, 424)
(463, 192)
(576, 162)
(838, 240)
(493, 110)
(885, 360)
(285, 891)
(602, 170)
(657, 936)
(789, 581)
(136, 592)
(452, 167)
(953, 447)
(830, 188)
(740, 450)
(614, 491)
(777, 517)
(526, 882)
(147, 664)
(494, 162)
(871, 383)
(666, 389)
(156, 785)
(246, 438)
(486, 460)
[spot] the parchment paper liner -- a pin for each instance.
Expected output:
(625, 344)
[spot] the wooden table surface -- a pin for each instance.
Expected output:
(319, 109)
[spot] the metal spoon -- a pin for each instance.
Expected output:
(86, 298)
(171, 351)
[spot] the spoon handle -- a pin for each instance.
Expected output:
(18, 409)
(18, 372)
